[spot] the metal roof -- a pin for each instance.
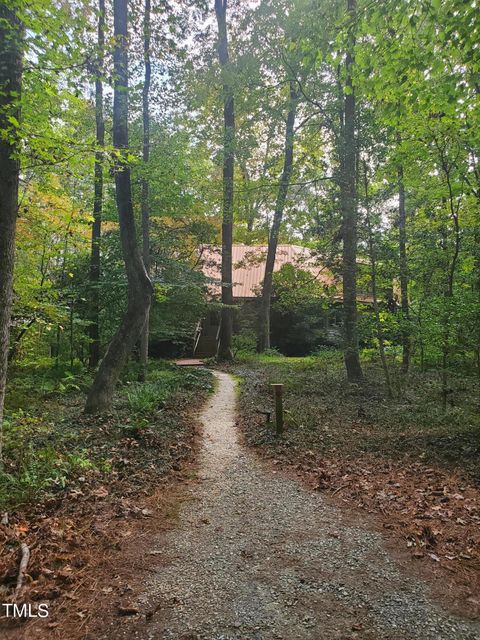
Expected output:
(249, 266)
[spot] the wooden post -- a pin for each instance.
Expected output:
(278, 392)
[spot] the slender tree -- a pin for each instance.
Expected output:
(452, 205)
(264, 324)
(349, 211)
(373, 278)
(402, 246)
(10, 87)
(145, 185)
(94, 329)
(226, 328)
(139, 286)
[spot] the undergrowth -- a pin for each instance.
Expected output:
(325, 413)
(47, 440)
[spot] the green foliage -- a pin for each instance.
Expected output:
(269, 355)
(244, 343)
(44, 447)
(33, 461)
(33, 381)
(414, 71)
(296, 288)
(164, 381)
(183, 302)
(145, 398)
(302, 311)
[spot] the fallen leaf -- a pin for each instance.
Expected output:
(101, 492)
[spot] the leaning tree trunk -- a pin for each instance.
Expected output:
(349, 211)
(145, 185)
(139, 286)
(226, 328)
(264, 320)
(11, 38)
(94, 329)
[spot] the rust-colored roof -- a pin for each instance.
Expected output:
(249, 266)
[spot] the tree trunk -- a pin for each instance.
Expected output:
(145, 185)
(402, 242)
(264, 320)
(349, 211)
(477, 290)
(94, 329)
(11, 37)
(373, 276)
(139, 286)
(450, 280)
(226, 328)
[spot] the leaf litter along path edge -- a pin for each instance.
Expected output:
(256, 555)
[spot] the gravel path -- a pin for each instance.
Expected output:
(257, 556)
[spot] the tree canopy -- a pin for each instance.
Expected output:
(384, 151)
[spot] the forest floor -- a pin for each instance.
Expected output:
(230, 546)
(83, 491)
(413, 468)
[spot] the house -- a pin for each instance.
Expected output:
(247, 277)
